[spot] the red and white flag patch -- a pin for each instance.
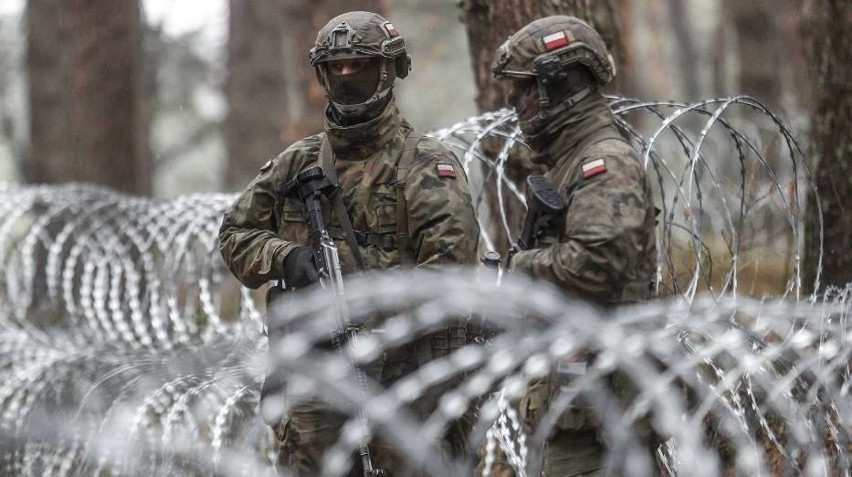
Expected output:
(391, 30)
(555, 40)
(446, 170)
(593, 168)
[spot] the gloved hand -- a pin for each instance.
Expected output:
(300, 270)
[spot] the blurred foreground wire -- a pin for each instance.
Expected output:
(127, 348)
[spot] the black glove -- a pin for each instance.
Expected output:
(300, 270)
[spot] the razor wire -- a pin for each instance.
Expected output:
(118, 318)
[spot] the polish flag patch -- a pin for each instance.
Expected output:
(446, 170)
(391, 30)
(555, 40)
(593, 168)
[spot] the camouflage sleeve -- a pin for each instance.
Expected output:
(247, 238)
(442, 223)
(603, 235)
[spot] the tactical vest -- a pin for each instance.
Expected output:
(439, 343)
(401, 240)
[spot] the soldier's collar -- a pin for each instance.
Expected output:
(566, 132)
(360, 141)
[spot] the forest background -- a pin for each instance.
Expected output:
(163, 98)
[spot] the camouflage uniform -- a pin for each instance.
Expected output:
(262, 227)
(429, 196)
(603, 249)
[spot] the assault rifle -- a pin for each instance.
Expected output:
(309, 186)
(545, 205)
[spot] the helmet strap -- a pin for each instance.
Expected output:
(543, 98)
(537, 122)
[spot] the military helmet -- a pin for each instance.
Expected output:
(567, 58)
(361, 35)
(548, 47)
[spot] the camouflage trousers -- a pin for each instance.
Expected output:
(566, 454)
(576, 445)
(312, 427)
(572, 449)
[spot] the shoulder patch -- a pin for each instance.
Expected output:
(593, 168)
(446, 170)
(266, 166)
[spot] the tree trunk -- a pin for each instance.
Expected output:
(828, 31)
(50, 102)
(490, 22)
(257, 107)
(721, 38)
(87, 122)
(305, 18)
(272, 91)
(686, 53)
(626, 80)
(758, 36)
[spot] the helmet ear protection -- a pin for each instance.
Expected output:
(402, 65)
(394, 48)
(549, 69)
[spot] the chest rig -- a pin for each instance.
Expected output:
(400, 240)
(435, 344)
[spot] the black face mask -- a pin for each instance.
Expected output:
(353, 87)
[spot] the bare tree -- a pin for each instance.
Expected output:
(828, 29)
(756, 26)
(686, 52)
(50, 103)
(87, 122)
(255, 89)
(274, 99)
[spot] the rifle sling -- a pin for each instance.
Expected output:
(327, 163)
(404, 164)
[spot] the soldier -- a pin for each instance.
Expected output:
(603, 248)
(408, 204)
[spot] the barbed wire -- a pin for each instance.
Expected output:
(118, 318)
